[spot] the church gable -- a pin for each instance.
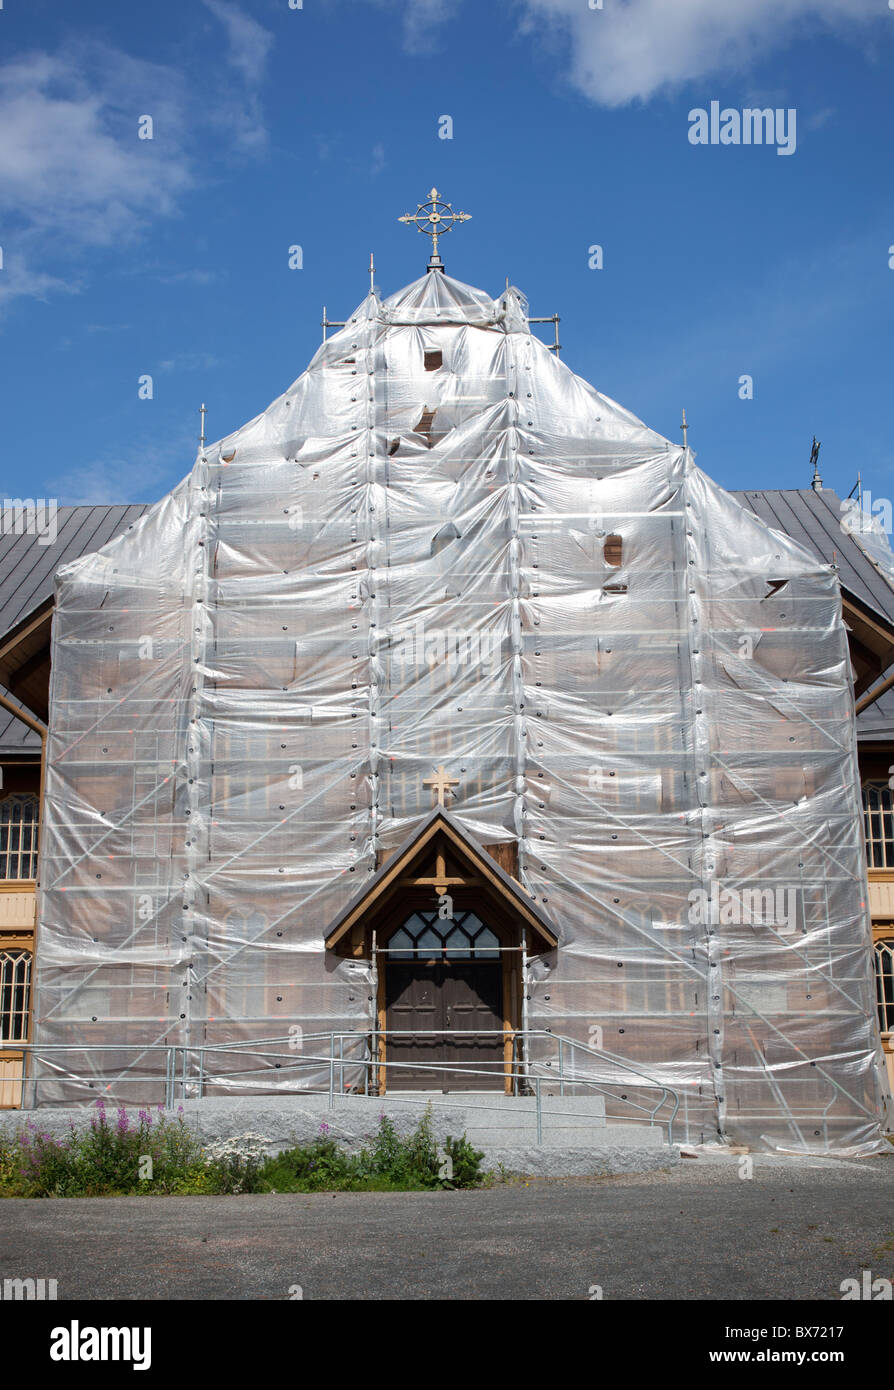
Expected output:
(439, 547)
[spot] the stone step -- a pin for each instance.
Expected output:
(553, 1137)
(569, 1111)
(566, 1162)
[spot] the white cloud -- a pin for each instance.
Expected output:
(821, 118)
(422, 20)
(136, 473)
(637, 49)
(190, 277)
(189, 362)
(633, 50)
(74, 174)
(377, 163)
(18, 282)
(248, 49)
(71, 162)
(249, 43)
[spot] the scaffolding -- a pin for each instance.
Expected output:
(441, 547)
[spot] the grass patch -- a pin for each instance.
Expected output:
(155, 1154)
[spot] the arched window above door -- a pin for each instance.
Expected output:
(461, 937)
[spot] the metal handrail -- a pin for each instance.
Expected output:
(178, 1069)
(616, 1061)
(259, 1048)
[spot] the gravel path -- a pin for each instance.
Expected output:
(793, 1231)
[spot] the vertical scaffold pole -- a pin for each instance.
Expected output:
(524, 985)
(372, 1071)
(519, 720)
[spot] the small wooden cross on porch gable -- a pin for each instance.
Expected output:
(441, 784)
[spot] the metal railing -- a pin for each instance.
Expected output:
(188, 1072)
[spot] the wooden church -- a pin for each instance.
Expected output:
(448, 729)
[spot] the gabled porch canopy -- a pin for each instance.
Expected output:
(440, 856)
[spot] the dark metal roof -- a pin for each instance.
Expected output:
(27, 572)
(814, 519)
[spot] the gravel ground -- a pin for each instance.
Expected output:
(698, 1231)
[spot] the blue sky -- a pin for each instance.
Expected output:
(320, 125)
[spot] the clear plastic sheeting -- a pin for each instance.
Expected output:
(868, 529)
(440, 546)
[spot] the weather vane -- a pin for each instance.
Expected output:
(435, 218)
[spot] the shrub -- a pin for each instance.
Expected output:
(110, 1159)
(466, 1162)
(391, 1163)
(9, 1167)
(315, 1167)
(151, 1154)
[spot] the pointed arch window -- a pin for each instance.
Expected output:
(884, 983)
(15, 991)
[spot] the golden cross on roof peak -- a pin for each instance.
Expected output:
(441, 784)
(435, 218)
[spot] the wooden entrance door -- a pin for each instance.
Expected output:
(444, 976)
(462, 1003)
